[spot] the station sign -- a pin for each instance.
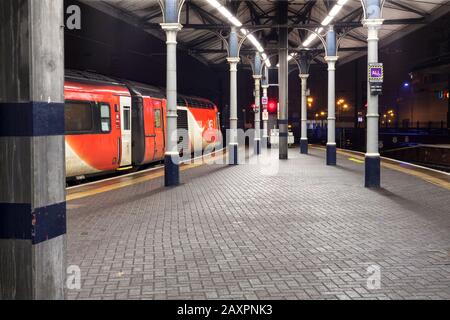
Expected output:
(376, 72)
(265, 116)
(376, 78)
(265, 101)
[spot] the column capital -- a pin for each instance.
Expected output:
(329, 59)
(373, 22)
(171, 26)
(171, 30)
(265, 86)
(304, 76)
(257, 77)
(232, 60)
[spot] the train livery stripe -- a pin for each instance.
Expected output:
(20, 221)
(28, 119)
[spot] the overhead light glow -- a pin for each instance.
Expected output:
(310, 39)
(327, 21)
(235, 21)
(334, 12)
(214, 3)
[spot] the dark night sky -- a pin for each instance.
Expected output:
(115, 48)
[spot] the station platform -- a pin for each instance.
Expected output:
(293, 229)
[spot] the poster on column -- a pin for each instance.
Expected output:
(376, 78)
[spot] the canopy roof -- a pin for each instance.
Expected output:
(202, 23)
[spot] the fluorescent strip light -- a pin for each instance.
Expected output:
(334, 12)
(224, 11)
(214, 3)
(310, 39)
(342, 2)
(235, 21)
(327, 20)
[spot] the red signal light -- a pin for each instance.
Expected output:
(272, 106)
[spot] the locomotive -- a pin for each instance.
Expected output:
(115, 125)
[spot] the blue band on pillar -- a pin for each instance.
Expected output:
(171, 11)
(283, 134)
(233, 157)
(19, 221)
(331, 155)
(30, 119)
(373, 9)
(172, 172)
(234, 44)
(304, 146)
(282, 121)
(331, 43)
(372, 174)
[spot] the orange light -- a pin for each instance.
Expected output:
(310, 100)
(322, 113)
(345, 106)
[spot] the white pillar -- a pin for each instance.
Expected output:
(372, 163)
(172, 172)
(265, 121)
(331, 144)
(257, 79)
(304, 115)
(233, 141)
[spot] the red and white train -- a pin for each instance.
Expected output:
(113, 125)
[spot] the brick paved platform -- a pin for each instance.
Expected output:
(306, 232)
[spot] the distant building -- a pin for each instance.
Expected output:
(424, 101)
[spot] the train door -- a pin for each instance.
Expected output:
(125, 124)
(158, 117)
(149, 131)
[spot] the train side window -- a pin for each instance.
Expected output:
(78, 117)
(157, 118)
(126, 119)
(105, 117)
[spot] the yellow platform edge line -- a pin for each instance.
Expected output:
(123, 184)
(423, 176)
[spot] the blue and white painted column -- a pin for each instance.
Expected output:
(372, 22)
(233, 60)
(171, 26)
(257, 77)
(265, 88)
(304, 115)
(304, 63)
(331, 60)
(283, 79)
(32, 160)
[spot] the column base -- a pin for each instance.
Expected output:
(257, 147)
(171, 172)
(373, 175)
(304, 146)
(331, 154)
(233, 155)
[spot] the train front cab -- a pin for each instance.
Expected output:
(98, 127)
